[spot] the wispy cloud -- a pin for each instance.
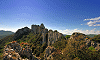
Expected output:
(93, 21)
(69, 31)
(96, 18)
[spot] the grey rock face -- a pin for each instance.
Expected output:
(53, 37)
(36, 29)
(98, 46)
(94, 44)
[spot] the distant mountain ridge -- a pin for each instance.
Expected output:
(91, 35)
(5, 33)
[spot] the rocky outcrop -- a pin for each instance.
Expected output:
(21, 32)
(48, 52)
(49, 37)
(39, 29)
(88, 42)
(11, 51)
(53, 37)
(97, 46)
(36, 29)
(77, 34)
(16, 51)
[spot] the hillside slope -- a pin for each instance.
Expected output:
(50, 44)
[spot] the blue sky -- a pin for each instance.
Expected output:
(66, 16)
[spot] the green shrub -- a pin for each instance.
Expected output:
(91, 48)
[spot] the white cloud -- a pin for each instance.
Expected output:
(69, 32)
(90, 23)
(93, 21)
(96, 18)
(96, 25)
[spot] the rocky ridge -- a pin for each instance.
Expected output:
(49, 37)
(23, 51)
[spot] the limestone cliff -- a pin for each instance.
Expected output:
(39, 29)
(36, 29)
(48, 37)
(53, 37)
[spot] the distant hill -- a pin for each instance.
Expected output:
(5, 33)
(91, 35)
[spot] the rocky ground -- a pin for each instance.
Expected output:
(16, 51)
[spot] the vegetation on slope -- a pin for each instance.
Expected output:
(3, 42)
(34, 41)
(70, 49)
(67, 36)
(75, 50)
